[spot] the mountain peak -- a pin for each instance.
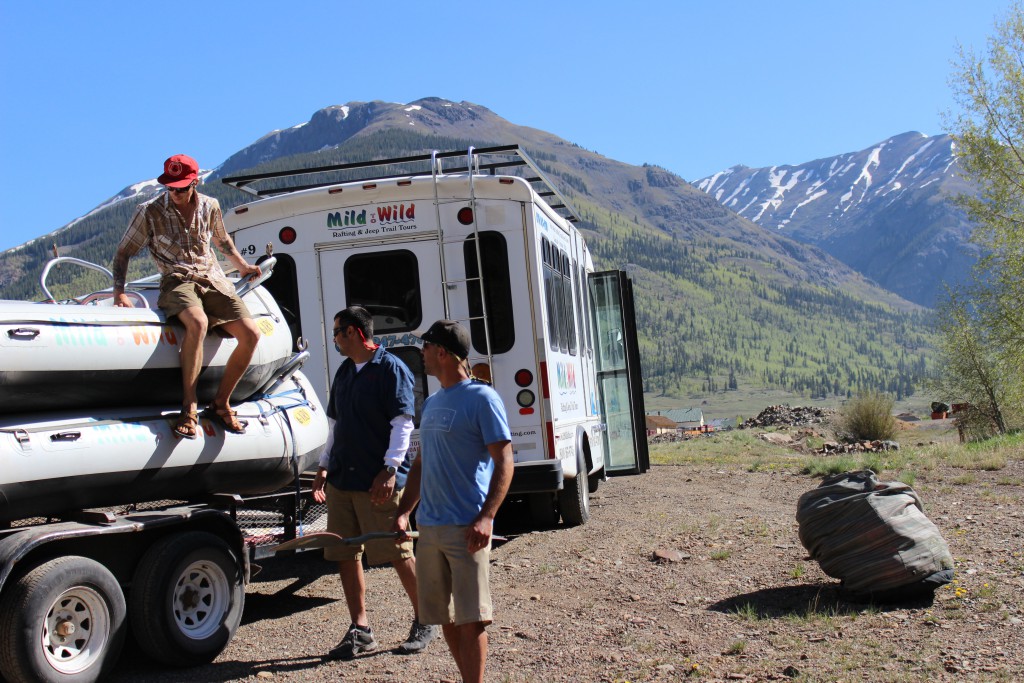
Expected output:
(883, 210)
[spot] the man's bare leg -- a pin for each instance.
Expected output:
(247, 335)
(468, 645)
(353, 584)
(194, 321)
(406, 570)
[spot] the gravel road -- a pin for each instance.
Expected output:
(740, 602)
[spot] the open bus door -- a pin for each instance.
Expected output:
(618, 373)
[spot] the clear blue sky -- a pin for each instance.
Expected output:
(94, 95)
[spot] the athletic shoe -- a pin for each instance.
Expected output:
(420, 636)
(355, 642)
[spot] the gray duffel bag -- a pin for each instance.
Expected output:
(874, 537)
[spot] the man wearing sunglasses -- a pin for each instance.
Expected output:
(362, 473)
(460, 479)
(178, 227)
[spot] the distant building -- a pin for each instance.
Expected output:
(690, 419)
(659, 424)
(721, 423)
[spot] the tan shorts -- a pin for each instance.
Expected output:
(453, 585)
(176, 295)
(350, 513)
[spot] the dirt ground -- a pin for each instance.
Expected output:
(743, 603)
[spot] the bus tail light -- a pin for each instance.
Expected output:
(526, 398)
(287, 235)
(551, 440)
(465, 215)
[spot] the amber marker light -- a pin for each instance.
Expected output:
(482, 371)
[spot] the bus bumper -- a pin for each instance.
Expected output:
(540, 477)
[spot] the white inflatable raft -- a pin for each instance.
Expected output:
(87, 352)
(52, 463)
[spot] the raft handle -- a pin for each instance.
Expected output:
(28, 333)
(66, 436)
(250, 282)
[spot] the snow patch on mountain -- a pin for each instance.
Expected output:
(883, 210)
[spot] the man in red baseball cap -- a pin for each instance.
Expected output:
(178, 226)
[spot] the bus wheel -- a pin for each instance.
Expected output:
(574, 499)
(187, 598)
(63, 621)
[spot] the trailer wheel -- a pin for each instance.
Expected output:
(574, 498)
(186, 598)
(63, 621)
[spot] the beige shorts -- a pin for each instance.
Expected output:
(350, 513)
(176, 295)
(453, 585)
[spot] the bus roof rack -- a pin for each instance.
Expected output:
(498, 159)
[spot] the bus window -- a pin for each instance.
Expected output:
(549, 295)
(581, 309)
(284, 287)
(413, 359)
(558, 299)
(567, 309)
(387, 284)
(497, 286)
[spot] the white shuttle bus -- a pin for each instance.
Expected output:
(491, 243)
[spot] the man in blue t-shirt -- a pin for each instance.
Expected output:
(363, 470)
(461, 478)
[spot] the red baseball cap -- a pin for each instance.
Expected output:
(179, 171)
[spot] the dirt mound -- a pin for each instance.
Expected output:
(785, 416)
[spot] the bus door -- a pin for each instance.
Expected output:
(399, 284)
(617, 355)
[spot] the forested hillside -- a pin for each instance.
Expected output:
(713, 317)
(721, 303)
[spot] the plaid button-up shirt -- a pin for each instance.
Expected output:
(181, 250)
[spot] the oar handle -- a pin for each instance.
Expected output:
(376, 535)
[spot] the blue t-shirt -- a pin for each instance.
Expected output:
(363, 404)
(456, 427)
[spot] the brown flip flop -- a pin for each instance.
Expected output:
(187, 426)
(228, 418)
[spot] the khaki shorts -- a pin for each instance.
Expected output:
(453, 585)
(176, 295)
(350, 513)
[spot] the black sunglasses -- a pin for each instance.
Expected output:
(180, 190)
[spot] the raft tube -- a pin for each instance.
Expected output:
(55, 356)
(54, 463)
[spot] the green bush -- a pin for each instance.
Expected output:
(868, 418)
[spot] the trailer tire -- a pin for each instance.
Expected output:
(64, 621)
(187, 598)
(574, 498)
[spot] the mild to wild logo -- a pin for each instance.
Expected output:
(377, 220)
